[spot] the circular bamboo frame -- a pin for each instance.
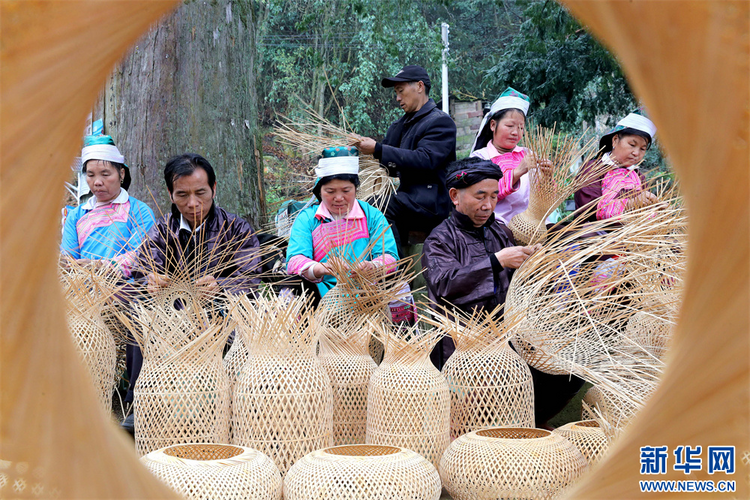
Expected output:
(216, 471)
(510, 462)
(588, 437)
(362, 472)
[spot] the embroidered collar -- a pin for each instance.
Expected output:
(494, 152)
(120, 199)
(355, 213)
(607, 160)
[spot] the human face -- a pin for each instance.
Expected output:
(410, 96)
(628, 150)
(338, 196)
(508, 130)
(477, 201)
(193, 197)
(103, 179)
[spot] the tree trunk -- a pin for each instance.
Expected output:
(189, 86)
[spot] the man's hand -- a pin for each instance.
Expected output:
(365, 145)
(207, 285)
(156, 281)
(513, 257)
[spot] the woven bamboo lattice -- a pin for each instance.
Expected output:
(87, 293)
(652, 332)
(182, 394)
(234, 360)
(408, 403)
(362, 471)
(575, 297)
(283, 401)
(345, 357)
(588, 437)
(510, 462)
(549, 187)
(216, 471)
(490, 385)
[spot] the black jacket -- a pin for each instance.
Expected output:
(460, 263)
(417, 148)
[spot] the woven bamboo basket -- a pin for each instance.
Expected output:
(653, 333)
(283, 401)
(216, 471)
(588, 437)
(182, 394)
(408, 403)
(344, 356)
(98, 351)
(490, 384)
(508, 462)
(363, 471)
(88, 292)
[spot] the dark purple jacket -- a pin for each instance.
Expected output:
(225, 246)
(460, 264)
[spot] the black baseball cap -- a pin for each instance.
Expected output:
(409, 73)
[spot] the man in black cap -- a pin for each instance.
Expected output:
(417, 148)
(469, 261)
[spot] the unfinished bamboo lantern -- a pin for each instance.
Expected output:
(98, 351)
(283, 401)
(408, 404)
(490, 385)
(363, 471)
(508, 462)
(216, 471)
(649, 331)
(87, 293)
(345, 357)
(235, 358)
(587, 436)
(182, 394)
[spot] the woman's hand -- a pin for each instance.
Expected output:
(319, 270)
(513, 257)
(642, 199)
(544, 166)
(522, 168)
(364, 267)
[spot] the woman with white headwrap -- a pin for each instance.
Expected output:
(623, 186)
(340, 225)
(111, 224)
(499, 134)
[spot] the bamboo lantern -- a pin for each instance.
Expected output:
(182, 394)
(587, 436)
(490, 385)
(408, 403)
(87, 292)
(98, 351)
(649, 331)
(547, 190)
(610, 408)
(345, 357)
(235, 358)
(216, 471)
(363, 471)
(508, 462)
(283, 401)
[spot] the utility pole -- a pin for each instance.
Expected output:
(445, 29)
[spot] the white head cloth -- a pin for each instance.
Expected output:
(638, 122)
(337, 165)
(105, 152)
(504, 102)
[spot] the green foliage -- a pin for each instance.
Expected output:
(569, 76)
(326, 54)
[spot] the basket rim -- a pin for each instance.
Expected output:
(380, 450)
(496, 433)
(226, 452)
